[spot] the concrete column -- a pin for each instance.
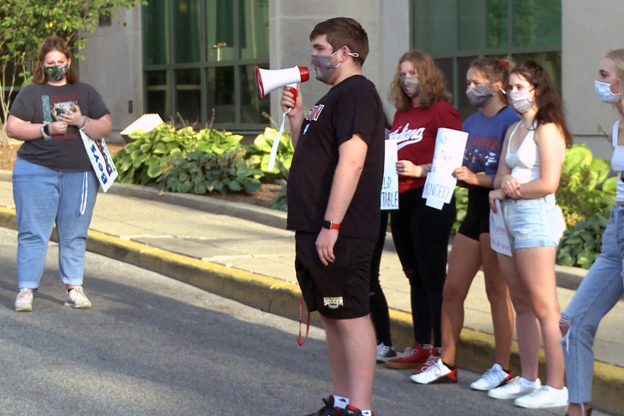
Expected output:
(385, 21)
(114, 66)
(590, 29)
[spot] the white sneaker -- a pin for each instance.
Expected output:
(517, 387)
(492, 378)
(385, 352)
(437, 373)
(542, 398)
(24, 300)
(77, 299)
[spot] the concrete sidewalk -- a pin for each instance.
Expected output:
(244, 252)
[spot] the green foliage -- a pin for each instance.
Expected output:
(187, 161)
(25, 23)
(260, 152)
(461, 203)
(585, 197)
(202, 172)
(581, 245)
(280, 201)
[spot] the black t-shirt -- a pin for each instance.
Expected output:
(351, 107)
(38, 103)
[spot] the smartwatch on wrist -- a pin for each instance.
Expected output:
(45, 131)
(330, 225)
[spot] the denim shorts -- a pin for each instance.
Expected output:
(533, 222)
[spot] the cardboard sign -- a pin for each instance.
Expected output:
(448, 156)
(390, 185)
(499, 240)
(100, 160)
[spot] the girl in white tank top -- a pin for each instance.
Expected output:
(525, 184)
(524, 162)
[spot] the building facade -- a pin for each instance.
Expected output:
(194, 60)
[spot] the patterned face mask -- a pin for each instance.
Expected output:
(56, 72)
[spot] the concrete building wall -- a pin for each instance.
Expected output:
(385, 21)
(590, 29)
(113, 65)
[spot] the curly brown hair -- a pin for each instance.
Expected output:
(431, 86)
(548, 101)
(52, 43)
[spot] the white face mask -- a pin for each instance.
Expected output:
(520, 102)
(604, 92)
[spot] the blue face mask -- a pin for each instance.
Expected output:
(56, 72)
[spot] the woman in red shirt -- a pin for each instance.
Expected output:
(420, 233)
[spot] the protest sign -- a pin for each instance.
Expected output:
(499, 240)
(390, 185)
(448, 156)
(100, 160)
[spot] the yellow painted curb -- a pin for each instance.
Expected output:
(475, 352)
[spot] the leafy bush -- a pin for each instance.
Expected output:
(585, 197)
(280, 201)
(187, 161)
(461, 203)
(259, 153)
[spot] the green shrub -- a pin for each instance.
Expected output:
(186, 160)
(280, 201)
(461, 203)
(585, 197)
(259, 153)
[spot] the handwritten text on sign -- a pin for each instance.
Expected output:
(390, 185)
(100, 160)
(448, 156)
(498, 232)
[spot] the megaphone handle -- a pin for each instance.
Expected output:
(293, 90)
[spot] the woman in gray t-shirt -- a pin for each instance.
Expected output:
(53, 181)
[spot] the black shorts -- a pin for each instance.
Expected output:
(477, 220)
(341, 289)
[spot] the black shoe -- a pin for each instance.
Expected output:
(329, 409)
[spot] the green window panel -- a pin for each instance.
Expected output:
(455, 32)
(205, 64)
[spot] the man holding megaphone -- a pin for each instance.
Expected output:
(333, 205)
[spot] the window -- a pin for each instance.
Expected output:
(200, 58)
(454, 32)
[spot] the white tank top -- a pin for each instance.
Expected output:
(524, 163)
(617, 163)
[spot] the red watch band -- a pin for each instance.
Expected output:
(330, 225)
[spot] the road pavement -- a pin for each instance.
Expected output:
(154, 346)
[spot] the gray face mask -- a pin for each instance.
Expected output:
(409, 85)
(479, 95)
(324, 67)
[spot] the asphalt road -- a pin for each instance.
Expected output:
(155, 346)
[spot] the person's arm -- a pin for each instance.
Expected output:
(295, 115)
(551, 151)
(19, 129)
(351, 158)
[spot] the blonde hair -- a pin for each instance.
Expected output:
(617, 56)
(430, 82)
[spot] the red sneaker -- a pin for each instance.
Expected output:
(411, 356)
(433, 358)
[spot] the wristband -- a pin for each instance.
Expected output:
(330, 225)
(45, 131)
(84, 123)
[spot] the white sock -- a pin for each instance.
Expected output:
(340, 401)
(527, 382)
(367, 413)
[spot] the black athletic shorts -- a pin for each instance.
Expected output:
(477, 220)
(341, 289)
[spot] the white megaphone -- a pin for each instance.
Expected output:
(270, 79)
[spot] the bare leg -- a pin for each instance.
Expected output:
(500, 303)
(526, 323)
(351, 349)
(464, 262)
(537, 271)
